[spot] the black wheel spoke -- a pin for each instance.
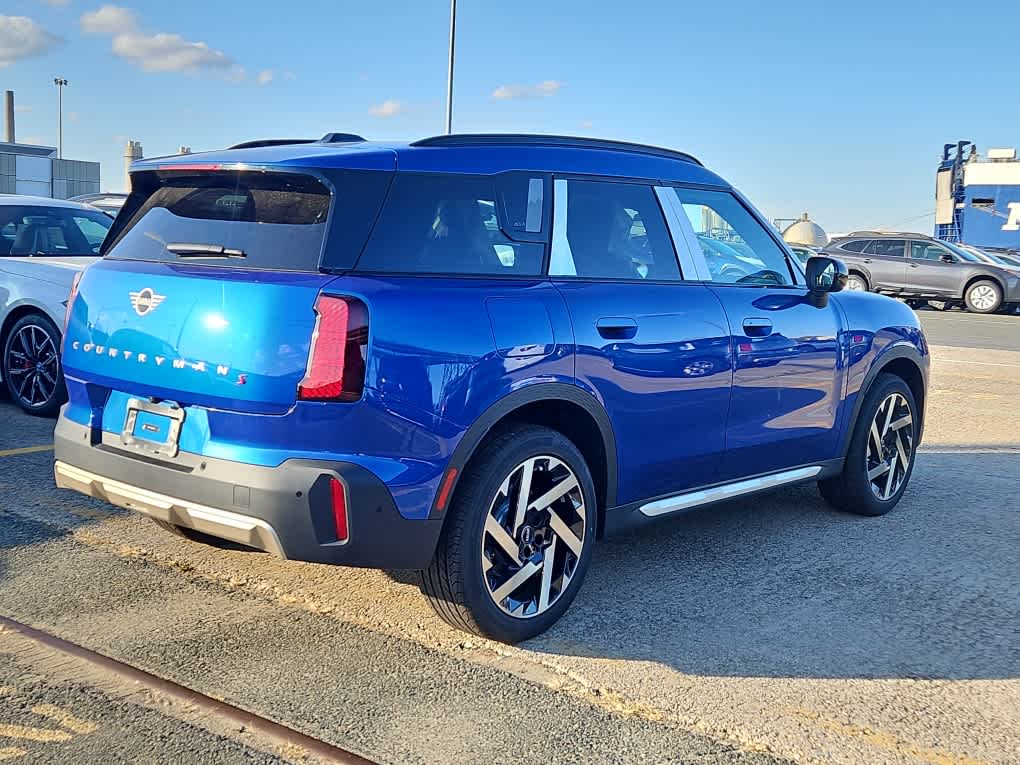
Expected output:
(34, 370)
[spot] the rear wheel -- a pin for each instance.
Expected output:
(983, 296)
(856, 283)
(880, 459)
(519, 538)
(31, 365)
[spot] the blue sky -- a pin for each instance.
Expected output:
(840, 111)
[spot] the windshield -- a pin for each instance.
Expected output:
(968, 256)
(38, 231)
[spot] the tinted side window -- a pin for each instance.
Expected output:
(737, 249)
(611, 231)
(457, 224)
(857, 245)
(890, 248)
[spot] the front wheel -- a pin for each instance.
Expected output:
(519, 539)
(880, 459)
(31, 365)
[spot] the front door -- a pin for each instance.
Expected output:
(653, 348)
(786, 351)
(933, 269)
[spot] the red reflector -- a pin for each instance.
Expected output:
(444, 490)
(193, 166)
(336, 368)
(746, 348)
(338, 496)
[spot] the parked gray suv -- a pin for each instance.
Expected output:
(920, 267)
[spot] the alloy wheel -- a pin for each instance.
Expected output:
(890, 446)
(856, 284)
(983, 297)
(533, 536)
(33, 365)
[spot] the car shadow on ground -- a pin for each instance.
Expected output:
(781, 585)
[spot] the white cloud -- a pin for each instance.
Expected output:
(35, 140)
(586, 124)
(21, 37)
(544, 88)
(56, 2)
(109, 20)
(72, 116)
(386, 109)
(160, 52)
(289, 76)
(22, 108)
(265, 77)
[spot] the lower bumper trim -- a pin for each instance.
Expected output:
(223, 524)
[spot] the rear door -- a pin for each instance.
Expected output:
(787, 360)
(652, 346)
(885, 259)
(207, 289)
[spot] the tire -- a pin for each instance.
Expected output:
(984, 296)
(863, 487)
(857, 283)
(472, 596)
(30, 363)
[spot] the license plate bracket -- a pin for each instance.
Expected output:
(152, 429)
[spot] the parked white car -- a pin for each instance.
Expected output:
(43, 244)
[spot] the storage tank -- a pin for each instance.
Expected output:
(806, 231)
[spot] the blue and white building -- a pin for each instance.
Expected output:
(977, 199)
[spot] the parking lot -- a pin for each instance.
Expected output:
(766, 630)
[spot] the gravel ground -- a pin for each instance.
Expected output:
(768, 628)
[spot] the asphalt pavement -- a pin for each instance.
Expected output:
(772, 629)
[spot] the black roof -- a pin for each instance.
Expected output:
(522, 139)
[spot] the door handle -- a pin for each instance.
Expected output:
(757, 327)
(914, 265)
(867, 260)
(616, 327)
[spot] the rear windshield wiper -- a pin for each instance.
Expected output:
(191, 250)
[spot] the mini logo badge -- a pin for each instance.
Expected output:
(146, 301)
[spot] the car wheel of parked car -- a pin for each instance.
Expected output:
(881, 455)
(983, 297)
(519, 538)
(857, 283)
(31, 365)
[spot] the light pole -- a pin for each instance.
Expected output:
(60, 83)
(449, 78)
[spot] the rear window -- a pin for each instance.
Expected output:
(454, 224)
(247, 219)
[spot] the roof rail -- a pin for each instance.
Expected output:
(888, 233)
(514, 139)
(341, 138)
(270, 142)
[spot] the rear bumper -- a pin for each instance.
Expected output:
(284, 510)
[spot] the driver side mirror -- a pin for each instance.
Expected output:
(824, 275)
(947, 258)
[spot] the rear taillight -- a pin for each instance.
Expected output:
(338, 498)
(70, 299)
(336, 360)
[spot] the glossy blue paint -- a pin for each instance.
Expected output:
(787, 379)
(665, 384)
(696, 394)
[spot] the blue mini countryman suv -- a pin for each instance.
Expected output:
(472, 355)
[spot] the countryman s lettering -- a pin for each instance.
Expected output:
(470, 355)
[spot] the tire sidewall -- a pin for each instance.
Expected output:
(475, 504)
(984, 283)
(59, 393)
(855, 467)
(857, 278)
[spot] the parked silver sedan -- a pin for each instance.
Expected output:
(43, 244)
